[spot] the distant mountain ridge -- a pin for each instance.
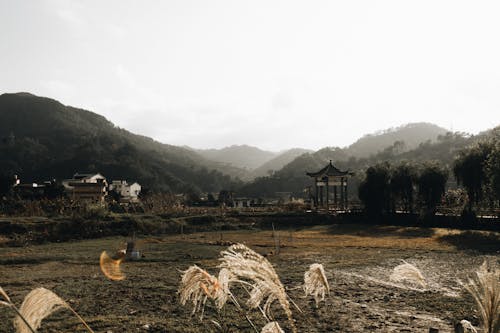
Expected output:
(292, 177)
(41, 139)
(411, 135)
(278, 162)
(241, 156)
(44, 139)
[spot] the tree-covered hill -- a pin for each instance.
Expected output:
(241, 156)
(411, 134)
(292, 177)
(44, 139)
(278, 162)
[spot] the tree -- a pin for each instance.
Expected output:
(225, 197)
(374, 190)
(470, 171)
(431, 186)
(493, 171)
(402, 185)
(6, 184)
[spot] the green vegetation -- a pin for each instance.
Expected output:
(292, 176)
(43, 139)
(431, 187)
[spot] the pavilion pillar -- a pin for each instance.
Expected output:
(346, 196)
(316, 192)
(342, 193)
(326, 189)
(335, 195)
(321, 195)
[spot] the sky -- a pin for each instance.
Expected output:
(272, 74)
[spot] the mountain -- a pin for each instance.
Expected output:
(278, 162)
(41, 139)
(292, 177)
(411, 135)
(241, 156)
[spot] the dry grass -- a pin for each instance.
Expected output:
(251, 269)
(272, 327)
(467, 326)
(37, 305)
(148, 295)
(198, 285)
(485, 289)
(408, 272)
(111, 267)
(315, 283)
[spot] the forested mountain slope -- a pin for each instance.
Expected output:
(44, 139)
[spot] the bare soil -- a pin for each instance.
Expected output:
(358, 259)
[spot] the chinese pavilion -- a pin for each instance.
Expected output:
(325, 179)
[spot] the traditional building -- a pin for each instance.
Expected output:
(88, 187)
(326, 179)
(127, 193)
(242, 202)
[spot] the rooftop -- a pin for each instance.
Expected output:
(329, 170)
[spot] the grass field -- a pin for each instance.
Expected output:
(358, 260)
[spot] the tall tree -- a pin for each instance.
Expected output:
(6, 184)
(374, 190)
(493, 171)
(470, 171)
(402, 185)
(431, 184)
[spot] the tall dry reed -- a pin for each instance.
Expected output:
(111, 267)
(316, 283)
(198, 285)
(37, 305)
(272, 327)
(254, 271)
(485, 289)
(408, 272)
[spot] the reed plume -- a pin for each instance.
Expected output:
(111, 267)
(251, 269)
(315, 283)
(272, 327)
(467, 326)
(6, 297)
(485, 289)
(198, 285)
(37, 305)
(408, 272)
(223, 293)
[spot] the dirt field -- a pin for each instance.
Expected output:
(358, 260)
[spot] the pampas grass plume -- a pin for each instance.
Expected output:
(408, 272)
(251, 269)
(272, 327)
(37, 305)
(111, 267)
(197, 285)
(315, 283)
(467, 326)
(485, 289)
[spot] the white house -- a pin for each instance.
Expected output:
(128, 193)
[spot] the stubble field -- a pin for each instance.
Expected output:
(358, 261)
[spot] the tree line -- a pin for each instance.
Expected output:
(411, 187)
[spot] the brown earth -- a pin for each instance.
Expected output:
(358, 260)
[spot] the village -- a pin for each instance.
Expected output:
(328, 192)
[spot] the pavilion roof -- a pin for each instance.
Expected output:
(329, 170)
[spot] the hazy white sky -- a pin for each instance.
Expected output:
(274, 74)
